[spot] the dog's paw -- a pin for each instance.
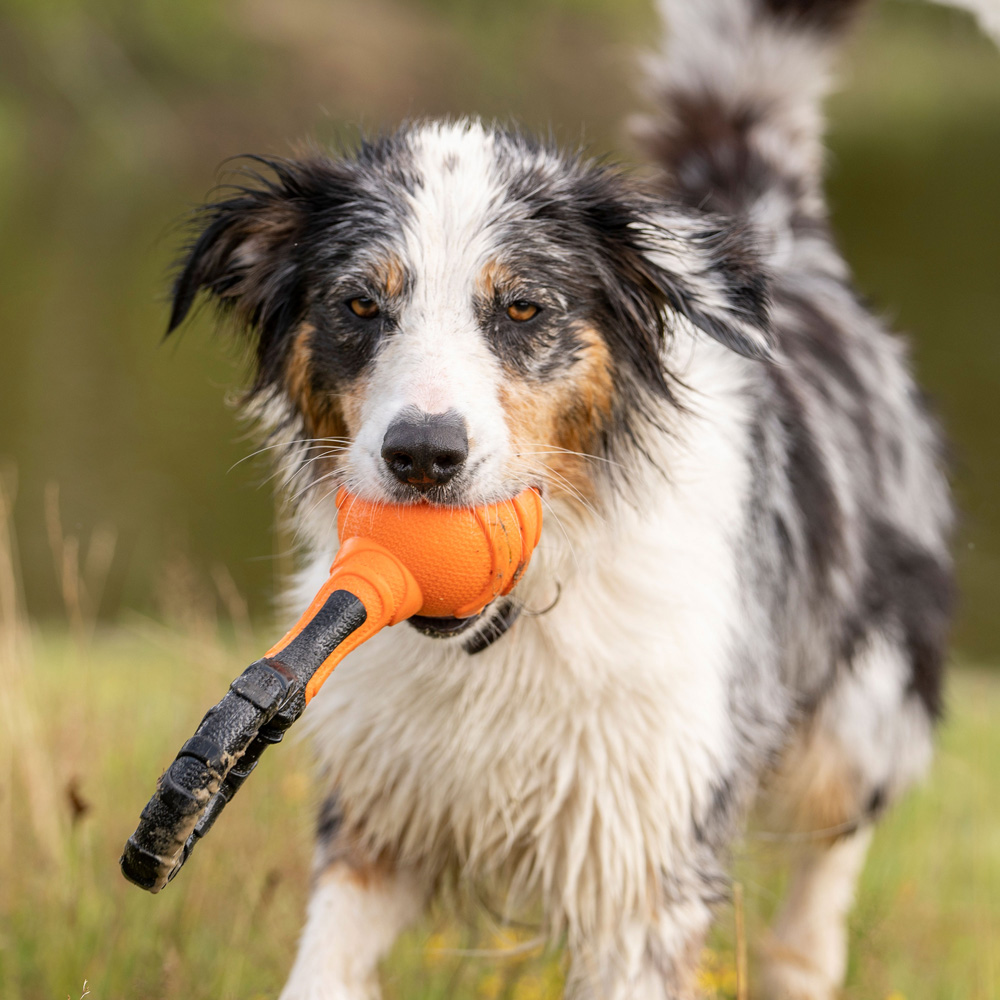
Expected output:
(298, 988)
(789, 982)
(327, 991)
(786, 974)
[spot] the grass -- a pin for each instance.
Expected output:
(89, 718)
(106, 717)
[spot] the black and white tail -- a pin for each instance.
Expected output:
(739, 84)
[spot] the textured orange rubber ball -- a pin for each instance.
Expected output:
(461, 557)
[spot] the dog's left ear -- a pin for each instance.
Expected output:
(702, 267)
(710, 271)
(246, 254)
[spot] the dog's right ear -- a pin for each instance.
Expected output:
(246, 254)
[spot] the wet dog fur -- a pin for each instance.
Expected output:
(745, 569)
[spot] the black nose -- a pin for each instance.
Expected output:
(425, 449)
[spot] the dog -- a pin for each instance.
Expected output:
(743, 591)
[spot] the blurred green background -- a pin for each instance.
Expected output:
(116, 117)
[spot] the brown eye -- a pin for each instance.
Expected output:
(365, 308)
(521, 311)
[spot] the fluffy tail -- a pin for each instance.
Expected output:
(739, 86)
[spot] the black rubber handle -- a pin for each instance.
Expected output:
(261, 704)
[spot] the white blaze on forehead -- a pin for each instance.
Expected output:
(448, 236)
(448, 239)
(438, 359)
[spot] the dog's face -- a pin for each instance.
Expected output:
(453, 313)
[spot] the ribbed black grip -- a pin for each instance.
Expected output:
(261, 704)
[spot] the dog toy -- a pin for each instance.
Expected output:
(394, 562)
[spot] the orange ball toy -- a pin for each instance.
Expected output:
(444, 562)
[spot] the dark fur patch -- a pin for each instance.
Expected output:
(877, 802)
(820, 517)
(910, 592)
(712, 163)
(824, 15)
(819, 349)
(329, 821)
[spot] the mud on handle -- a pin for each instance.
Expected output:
(261, 704)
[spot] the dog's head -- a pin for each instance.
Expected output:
(453, 313)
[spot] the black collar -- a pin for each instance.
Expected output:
(501, 620)
(498, 620)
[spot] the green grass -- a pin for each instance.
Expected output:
(94, 724)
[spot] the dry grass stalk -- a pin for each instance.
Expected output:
(741, 943)
(24, 754)
(235, 604)
(82, 585)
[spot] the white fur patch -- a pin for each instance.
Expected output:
(351, 924)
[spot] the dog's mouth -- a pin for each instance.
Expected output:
(480, 630)
(484, 628)
(444, 628)
(453, 494)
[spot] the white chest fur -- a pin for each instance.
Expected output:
(572, 754)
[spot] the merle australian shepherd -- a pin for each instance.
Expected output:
(743, 591)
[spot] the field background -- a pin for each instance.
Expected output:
(85, 732)
(146, 562)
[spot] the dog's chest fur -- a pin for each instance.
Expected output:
(565, 754)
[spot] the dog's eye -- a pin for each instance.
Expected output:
(365, 308)
(522, 310)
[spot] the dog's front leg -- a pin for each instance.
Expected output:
(358, 907)
(653, 957)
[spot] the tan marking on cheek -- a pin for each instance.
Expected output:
(567, 416)
(297, 365)
(493, 278)
(582, 421)
(325, 416)
(530, 414)
(352, 402)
